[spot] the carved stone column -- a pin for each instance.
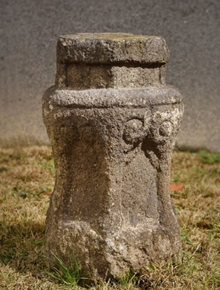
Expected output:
(112, 123)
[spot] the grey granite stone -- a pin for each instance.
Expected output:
(112, 148)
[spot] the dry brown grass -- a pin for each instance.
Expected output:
(26, 178)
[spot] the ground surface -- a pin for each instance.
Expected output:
(26, 182)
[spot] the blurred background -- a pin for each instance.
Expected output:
(28, 34)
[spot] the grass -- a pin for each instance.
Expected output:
(209, 157)
(61, 273)
(26, 181)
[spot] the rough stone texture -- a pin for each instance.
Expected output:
(106, 48)
(79, 76)
(99, 60)
(112, 148)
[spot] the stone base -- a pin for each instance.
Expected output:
(114, 255)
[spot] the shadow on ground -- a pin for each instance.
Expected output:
(21, 246)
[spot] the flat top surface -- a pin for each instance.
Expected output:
(108, 36)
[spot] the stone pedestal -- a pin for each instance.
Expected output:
(112, 123)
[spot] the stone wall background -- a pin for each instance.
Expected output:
(28, 34)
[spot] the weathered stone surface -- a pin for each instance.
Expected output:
(106, 48)
(111, 204)
(110, 60)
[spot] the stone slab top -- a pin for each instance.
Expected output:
(112, 48)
